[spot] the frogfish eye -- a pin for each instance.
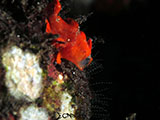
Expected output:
(85, 62)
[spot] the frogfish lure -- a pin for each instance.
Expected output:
(71, 43)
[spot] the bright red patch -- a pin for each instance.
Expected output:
(72, 43)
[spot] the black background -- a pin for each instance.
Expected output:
(127, 57)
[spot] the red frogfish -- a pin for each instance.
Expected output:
(71, 43)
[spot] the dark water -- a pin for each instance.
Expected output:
(127, 58)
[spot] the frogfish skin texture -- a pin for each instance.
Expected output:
(71, 43)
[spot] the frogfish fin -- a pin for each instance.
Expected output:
(57, 7)
(59, 43)
(58, 60)
(90, 43)
(48, 28)
(53, 8)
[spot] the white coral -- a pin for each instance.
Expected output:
(66, 107)
(23, 75)
(33, 113)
